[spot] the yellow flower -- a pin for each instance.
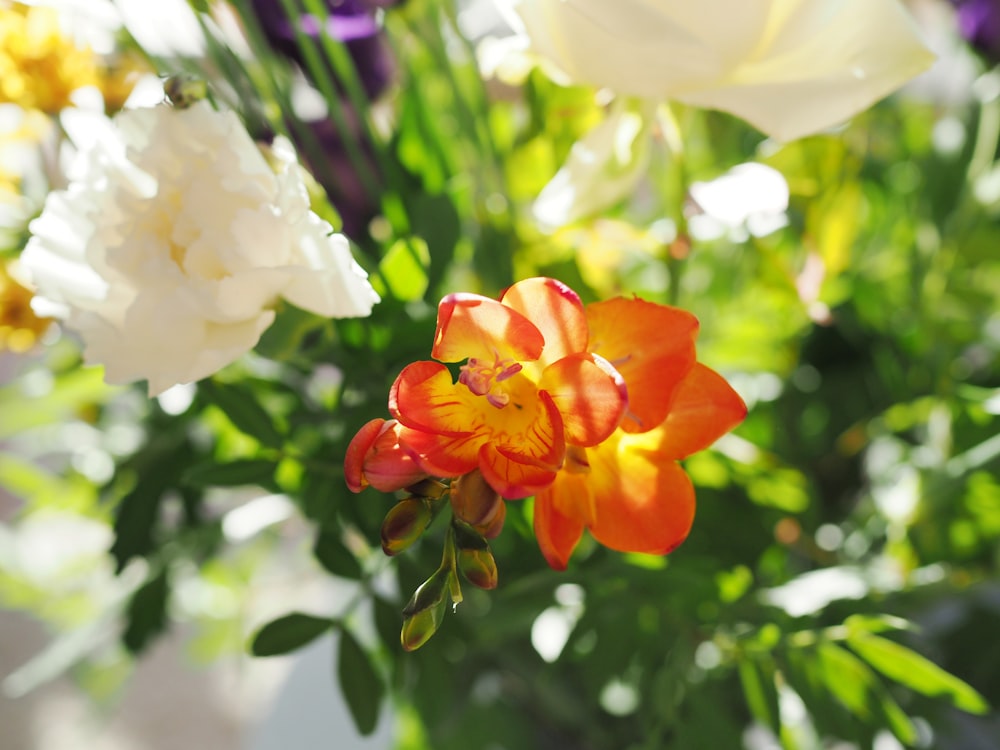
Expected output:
(20, 328)
(40, 66)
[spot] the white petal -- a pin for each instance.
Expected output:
(602, 169)
(826, 63)
(173, 244)
(789, 67)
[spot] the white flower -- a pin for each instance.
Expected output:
(174, 241)
(789, 67)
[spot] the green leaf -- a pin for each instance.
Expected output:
(915, 672)
(761, 696)
(335, 557)
(847, 678)
(404, 268)
(157, 467)
(233, 474)
(147, 613)
(241, 407)
(388, 619)
(288, 633)
(361, 685)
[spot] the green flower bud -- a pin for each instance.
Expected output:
(473, 556)
(430, 488)
(404, 524)
(423, 614)
(478, 567)
(183, 90)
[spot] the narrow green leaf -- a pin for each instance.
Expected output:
(241, 407)
(760, 693)
(847, 678)
(361, 685)
(232, 474)
(288, 633)
(335, 557)
(915, 671)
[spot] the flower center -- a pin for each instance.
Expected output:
(485, 379)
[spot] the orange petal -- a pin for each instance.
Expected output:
(469, 325)
(651, 345)
(425, 398)
(643, 501)
(358, 448)
(590, 395)
(442, 455)
(556, 311)
(513, 479)
(557, 533)
(704, 409)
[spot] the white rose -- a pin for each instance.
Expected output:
(788, 67)
(174, 241)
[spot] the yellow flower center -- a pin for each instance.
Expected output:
(488, 380)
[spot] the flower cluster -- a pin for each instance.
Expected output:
(588, 409)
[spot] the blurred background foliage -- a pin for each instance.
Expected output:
(841, 581)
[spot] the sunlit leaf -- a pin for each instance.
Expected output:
(759, 691)
(240, 405)
(915, 671)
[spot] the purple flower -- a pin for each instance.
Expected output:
(351, 22)
(979, 23)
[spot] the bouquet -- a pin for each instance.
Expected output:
(632, 367)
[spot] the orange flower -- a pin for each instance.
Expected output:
(589, 409)
(528, 387)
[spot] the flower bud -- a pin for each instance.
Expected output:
(183, 90)
(375, 457)
(425, 611)
(404, 524)
(473, 500)
(473, 556)
(430, 488)
(478, 567)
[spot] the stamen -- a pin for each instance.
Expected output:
(484, 380)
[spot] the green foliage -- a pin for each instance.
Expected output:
(365, 696)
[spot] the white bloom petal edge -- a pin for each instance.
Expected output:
(172, 245)
(789, 67)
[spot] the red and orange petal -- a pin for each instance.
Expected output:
(705, 407)
(651, 345)
(375, 457)
(590, 394)
(469, 325)
(556, 310)
(451, 431)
